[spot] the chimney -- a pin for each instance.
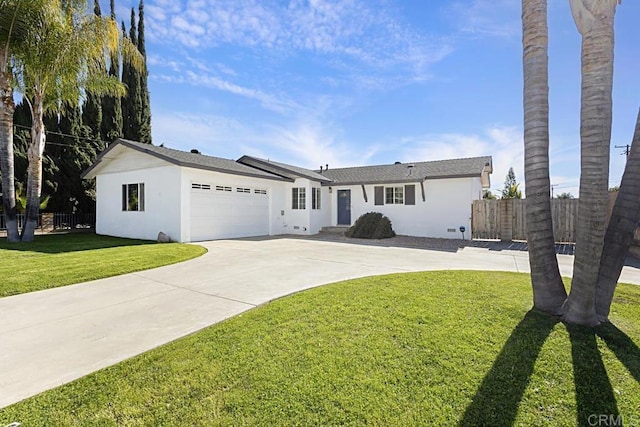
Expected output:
(320, 168)
(326, 167)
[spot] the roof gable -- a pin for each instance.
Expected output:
(180, 158)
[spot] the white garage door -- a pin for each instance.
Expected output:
(223, 212)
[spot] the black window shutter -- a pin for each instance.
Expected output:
(378, 195)
(409, 194)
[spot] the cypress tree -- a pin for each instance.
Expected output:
(144, 132)
(111, 107)
(21, 138)
(92, 106)
(132, 102)
(75, 153)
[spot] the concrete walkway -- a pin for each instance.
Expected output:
(51, 337)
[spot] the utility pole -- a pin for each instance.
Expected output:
(627, 149)
(553, 185)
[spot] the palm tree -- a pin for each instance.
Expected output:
(65, 55)
(619, 235)
(16, 17)
(594, 19)
(548, 290)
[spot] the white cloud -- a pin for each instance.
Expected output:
(364, 32)
(504, 144)
(211, 134)
(309, 145)
(496, 18)
(278, 104)
(299, 142)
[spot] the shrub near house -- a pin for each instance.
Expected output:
(372, 225)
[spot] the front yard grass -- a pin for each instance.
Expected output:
(436, 348)
(63, 259)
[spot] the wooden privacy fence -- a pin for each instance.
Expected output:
(505, 219)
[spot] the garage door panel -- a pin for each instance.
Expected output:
(223, 215)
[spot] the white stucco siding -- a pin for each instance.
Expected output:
(297, 221)
(320, 217)
(277, 208)
(447, 206)
(161, 200)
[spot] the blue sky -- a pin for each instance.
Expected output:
(356, 82)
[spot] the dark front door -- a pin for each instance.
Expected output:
(344, 207)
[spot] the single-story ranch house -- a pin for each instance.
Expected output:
(144, 189)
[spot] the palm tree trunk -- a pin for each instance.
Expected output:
(6, 150)
(594, 19)
(34, 171)
(548, 290)
(619, 235)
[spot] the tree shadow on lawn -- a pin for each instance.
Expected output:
(594, 393)
(622, 346)
(497, 400)
(498, 397)
(72, 242)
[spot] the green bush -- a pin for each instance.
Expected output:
(372, 225)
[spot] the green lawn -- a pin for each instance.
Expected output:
(437, 348)
(62, 259)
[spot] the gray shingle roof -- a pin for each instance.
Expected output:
(283, 169)
(187, 159)
(409, 172)
(268, 169)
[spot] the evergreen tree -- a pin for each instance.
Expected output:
(144, 131)
(111, 107)
(511, 190)
(132, 102)
(510, 179)
(76, 153)
(92, 107)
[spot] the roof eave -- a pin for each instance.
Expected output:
(401, 181)
(279, 168)
(232, 172)
(87, 173)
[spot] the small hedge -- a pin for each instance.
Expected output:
(372, 225)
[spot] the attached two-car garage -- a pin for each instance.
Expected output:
(225, 212)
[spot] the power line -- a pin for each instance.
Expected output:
(50, 132)
(627, 149)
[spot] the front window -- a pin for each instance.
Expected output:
(133, 197)
(299, 198)
(394, 195)
(315, 198)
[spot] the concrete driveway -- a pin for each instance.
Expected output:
(51, 337)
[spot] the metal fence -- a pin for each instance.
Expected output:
(65, 221)
(57, 221)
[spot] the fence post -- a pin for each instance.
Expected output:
(506, 219)
(47, 221)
